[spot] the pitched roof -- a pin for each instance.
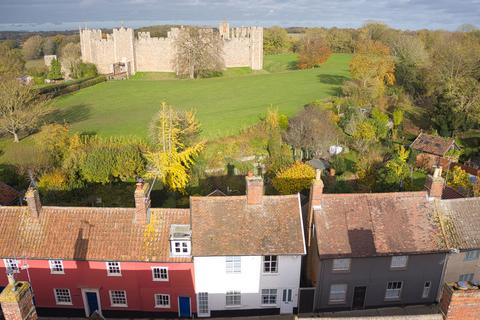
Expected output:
(73, 233)
(432, 144)
(375, 224)
(7, 194)
(460, 220)
(228, 226)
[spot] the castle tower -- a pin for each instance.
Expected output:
(124, 47)
(256, 48)
(224, 29)
(17, 301)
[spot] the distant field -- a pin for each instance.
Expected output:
(224, 105)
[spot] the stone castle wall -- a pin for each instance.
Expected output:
(242, 47)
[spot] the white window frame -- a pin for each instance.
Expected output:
(183, 249)
(466, 277)
(233, 264)
(9, 262)
(394, 262)
(399, 290)
(233, 295)
(56, 264)
(269, 294)
(64, 292)
(472, 255)
(341, 265)
(203, 307)
(161, 295)
(160, 269)
(338, 291)
(111, 294)
(113, 265)
(426, 289)
(270, 264)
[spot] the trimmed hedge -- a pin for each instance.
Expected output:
(58, 89)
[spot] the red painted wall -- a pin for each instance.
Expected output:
(136, 280)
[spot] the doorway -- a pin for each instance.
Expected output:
(287, 301)
(359, 294)
(184, 310)
(91, 301)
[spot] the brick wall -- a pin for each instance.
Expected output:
(18, 305)
(460, 304)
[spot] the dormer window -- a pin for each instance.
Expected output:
(180, 240)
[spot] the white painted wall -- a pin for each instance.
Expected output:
(211, 277)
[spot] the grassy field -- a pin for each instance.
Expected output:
(224, 105)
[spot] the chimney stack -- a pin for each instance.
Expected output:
(316, 192)
(33, 201)
(17, 301)
(435, 184)
(254, 189)
(142, 202)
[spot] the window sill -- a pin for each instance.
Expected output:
(268, 305)
(162, 307)
(270, 274)
(160, 280)
(392, 299)
(237, 306)
(64, 303)
(337, 302)
(114, 275)
(119, 305)
(57, 272)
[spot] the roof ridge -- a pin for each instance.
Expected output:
(460, 199)
(377, 194)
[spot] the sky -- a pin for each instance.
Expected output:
(70, 14)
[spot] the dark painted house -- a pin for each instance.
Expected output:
(373, 250)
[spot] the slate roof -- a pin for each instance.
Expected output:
(376, 224)
(432, 144)
(460, 220)
(7, 194)
(72, 233)
(227, 226)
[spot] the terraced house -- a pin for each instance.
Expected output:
(247, 252)
(119, 261)
(375, 250)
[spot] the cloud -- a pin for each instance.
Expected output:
(407, 14)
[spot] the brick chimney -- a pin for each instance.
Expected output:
(435, 184)
(33, 201)
(17, 301)
(460, 303)
(142, 202)
(254, 189)
(316, 192)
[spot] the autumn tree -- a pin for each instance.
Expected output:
(32, 47)
(70, 57)
(21, 108)
(294, 179)
(314, 51)
(313, 130)
(173, 158)
(280, 153)
(373, 67)
(275, 40)
(199, 53)
(11, 62)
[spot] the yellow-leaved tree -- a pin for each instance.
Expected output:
(173, 133)
(294, 179)
(373, 66)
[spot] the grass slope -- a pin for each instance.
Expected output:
(224, 105)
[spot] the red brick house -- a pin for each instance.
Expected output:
(433, 150)
(120, 261)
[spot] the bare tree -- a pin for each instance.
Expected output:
(20, 107)
(70, 56)
(32, 47)
(199, 52)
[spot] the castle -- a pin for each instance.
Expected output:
(242, 47)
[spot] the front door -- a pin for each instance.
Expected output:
(359, 297)
(91, 301)
(287, 301)
(184, 307)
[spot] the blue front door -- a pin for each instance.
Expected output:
(92, 301)
(184, 307)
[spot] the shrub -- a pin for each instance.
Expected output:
(55, 180)
(294, 179)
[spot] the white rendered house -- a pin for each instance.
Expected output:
(247, 252)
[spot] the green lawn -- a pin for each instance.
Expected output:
(224, 105)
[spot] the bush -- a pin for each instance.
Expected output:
(86, 70)
(294, 179)
(57, 89)
(55, 180)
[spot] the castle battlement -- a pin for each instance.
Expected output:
(242, 46)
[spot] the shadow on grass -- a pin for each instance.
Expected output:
(331, 79)
(292, 65)
(70, 114)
